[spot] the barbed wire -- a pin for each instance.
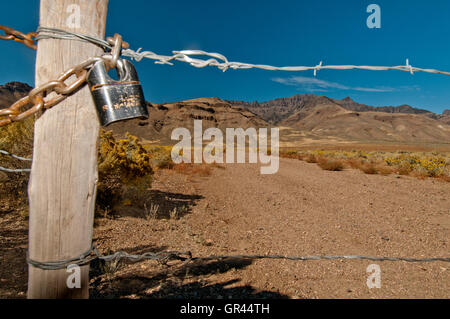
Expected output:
(115, 47)
(15, 156)
(9, 170)
(20, 158)
(216, 59)
(165, 256)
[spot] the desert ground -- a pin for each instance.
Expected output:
(234, 210)
(389, 196)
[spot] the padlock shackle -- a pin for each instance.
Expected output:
(102, 69)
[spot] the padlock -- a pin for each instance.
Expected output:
(117, 100)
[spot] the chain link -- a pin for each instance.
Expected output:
(14, 35)
(41, 97)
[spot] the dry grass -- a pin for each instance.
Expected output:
(125, 169)
(160, 156)
(370, 169)
(202, 170)
(416, 164)
(384, 170)
(330, 164)
(353, 163)
(311, 159)
(293, 155)
(151, 212)
(16, 138)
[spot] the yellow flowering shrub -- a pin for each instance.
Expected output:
(17, 137)
(160, 156)
(124, 168)
(428, 165)
(423, 164)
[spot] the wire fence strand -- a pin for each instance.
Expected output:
(9, 170)
(216, 59)
(165, 256)
(16, 157)
(20, 158)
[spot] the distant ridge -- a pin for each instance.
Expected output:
(164, 118)
(302, 119)
(277, 110)
(316, 117)
(11, 92)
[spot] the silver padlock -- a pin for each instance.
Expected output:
(117, 100)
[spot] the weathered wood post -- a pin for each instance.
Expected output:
(63, 182)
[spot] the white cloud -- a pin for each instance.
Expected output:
(316, 85)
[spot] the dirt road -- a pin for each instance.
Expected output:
(300, 211)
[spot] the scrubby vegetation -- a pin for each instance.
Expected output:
(160, 156)
(330, 164)
(125, 168)
(16, 138)
(418, 164)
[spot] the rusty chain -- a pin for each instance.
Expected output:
(41, 97)
(14, 35)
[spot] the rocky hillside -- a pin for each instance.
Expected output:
(320, 117)
(312, 116)
(331, 120)
(166, 117)
(277, 110)
(11, 92)
(307, 116)
(445, 117)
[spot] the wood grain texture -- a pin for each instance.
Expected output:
(63, 181)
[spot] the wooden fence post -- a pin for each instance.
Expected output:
(63, 181)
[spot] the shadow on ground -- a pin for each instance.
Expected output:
(13, 265)
(162, 205)
(185, 281)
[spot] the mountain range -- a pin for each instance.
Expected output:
(11, 92)
(301, 117)
(275, 111)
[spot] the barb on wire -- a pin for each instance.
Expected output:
(224, 64)
(165, 256)
(216, 59)
(115, 47)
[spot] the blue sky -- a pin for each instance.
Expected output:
(277, 33)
